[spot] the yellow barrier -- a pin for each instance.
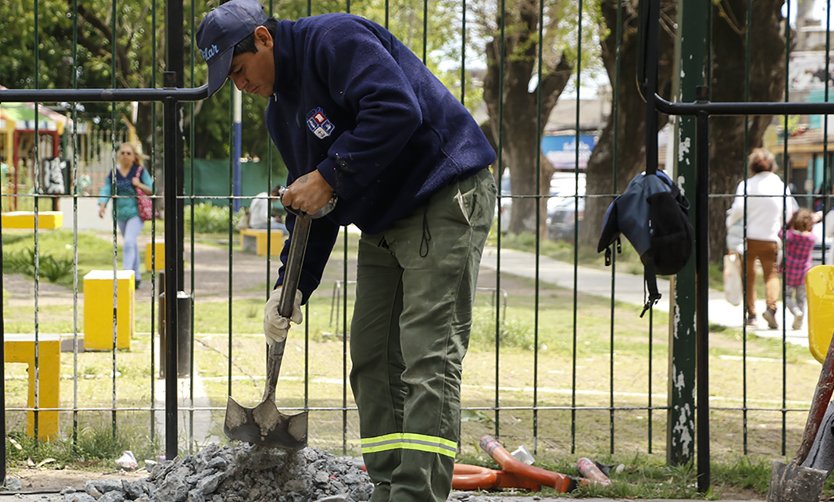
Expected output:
(21, 349)
(98, 309)
(157, 248)
(819, 286)
(47, 220)
(253, 240)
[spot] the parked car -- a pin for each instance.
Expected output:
(561, 216)
(562, 187)
(562, 205)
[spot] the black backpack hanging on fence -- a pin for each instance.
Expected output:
(652, 215)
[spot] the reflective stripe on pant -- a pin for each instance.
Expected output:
(410, 331)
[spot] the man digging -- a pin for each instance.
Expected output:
(356, 115)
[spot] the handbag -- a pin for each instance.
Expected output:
(732, 279)
(143, 202)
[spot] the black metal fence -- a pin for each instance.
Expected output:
(559, 359)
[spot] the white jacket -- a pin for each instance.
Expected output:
(765, 203)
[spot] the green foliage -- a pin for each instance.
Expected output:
(209, 218)
(50, 267)
(56, 250)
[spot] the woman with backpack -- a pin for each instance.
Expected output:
(130, 208)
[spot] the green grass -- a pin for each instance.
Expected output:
(95, 447)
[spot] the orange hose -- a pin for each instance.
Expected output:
(470, 469)
(558, 481)
(473, 477)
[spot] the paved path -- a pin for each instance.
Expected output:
(628, 288)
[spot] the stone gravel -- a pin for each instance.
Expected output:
(237, 474)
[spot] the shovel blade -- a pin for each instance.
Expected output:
(265, 426)
(794, 483)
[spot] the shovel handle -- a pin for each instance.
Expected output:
(295, 260)
(286, 302)
(273, 368)
(822, 395)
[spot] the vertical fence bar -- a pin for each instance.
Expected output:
(782, 218)
(114, 199)
(2, 360)
(826, 190)
(345, 350)
(229, 230)
(500, 163)
(702, 294)
(615, 113)
(192, 253)
(74, 79)
(746, 147)
(537, 265)
(37, 187)
(154, 286)
(171, 268)
(174, 228)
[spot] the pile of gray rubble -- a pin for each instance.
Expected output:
(239, 473)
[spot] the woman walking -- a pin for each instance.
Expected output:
(130, 177)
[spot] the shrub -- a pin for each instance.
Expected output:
(209, 218)
(52, 268)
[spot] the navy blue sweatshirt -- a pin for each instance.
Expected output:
(353, 102)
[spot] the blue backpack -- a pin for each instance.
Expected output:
(652, 214)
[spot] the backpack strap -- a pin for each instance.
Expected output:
(651, 285)
(617, 246)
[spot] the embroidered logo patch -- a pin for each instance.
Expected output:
(318, 123)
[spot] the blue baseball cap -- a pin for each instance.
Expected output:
(222, 29)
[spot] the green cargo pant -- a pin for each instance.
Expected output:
(408, 337)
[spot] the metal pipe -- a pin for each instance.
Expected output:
(172, 267)
(702, 295)
(100, 95)
(741, 108)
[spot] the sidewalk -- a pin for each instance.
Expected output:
(628, 289)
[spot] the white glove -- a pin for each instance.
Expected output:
(276, 326)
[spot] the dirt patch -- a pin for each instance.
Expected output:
(57, 480)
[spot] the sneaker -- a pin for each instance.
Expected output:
(751, 320)
(138, 283)
(797, 321)
(770, 316)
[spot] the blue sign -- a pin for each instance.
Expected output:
(561, 150)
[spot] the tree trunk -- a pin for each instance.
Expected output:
(728, 145)
(517, 122)
(728, 150)
(620, 160)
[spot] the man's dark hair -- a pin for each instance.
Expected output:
(248, 43)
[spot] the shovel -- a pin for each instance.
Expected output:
(264, 425)
(793, 482)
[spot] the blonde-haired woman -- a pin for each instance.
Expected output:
(766, 213)
(129, 176)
